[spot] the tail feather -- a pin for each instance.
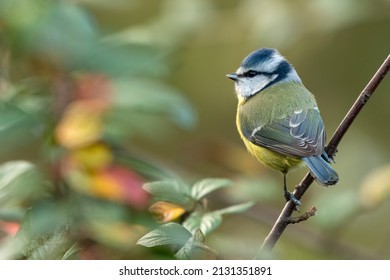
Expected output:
(321, 170)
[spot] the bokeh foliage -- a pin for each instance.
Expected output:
(74, 99)
(100, 97)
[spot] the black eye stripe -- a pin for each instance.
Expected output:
(252, 73)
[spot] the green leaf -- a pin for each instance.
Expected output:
(167, 234)
(208, 222)
(19, 183)
(12, 214)
(206, 186)
(236, 209)
(10, 171)
(146, 168)
(171, 191)
(71, 252)
(205, 222)
(195, 242)
(195, 248)
(18, 130)
(45, 240)
(56, 246)
(153, 97)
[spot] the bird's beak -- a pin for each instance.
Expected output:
(232, 76)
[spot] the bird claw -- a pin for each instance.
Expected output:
(329, 158)
(290, 197)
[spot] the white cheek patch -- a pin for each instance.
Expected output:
(262, 81)
(247, 87)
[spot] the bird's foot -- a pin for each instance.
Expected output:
(289, 196)
(329, 158)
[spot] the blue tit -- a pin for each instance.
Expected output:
(278, 118)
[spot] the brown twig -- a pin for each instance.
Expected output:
(284, 217)
(303, 217)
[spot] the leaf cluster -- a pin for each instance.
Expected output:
(187, 235)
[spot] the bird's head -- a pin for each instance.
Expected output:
(261, 69)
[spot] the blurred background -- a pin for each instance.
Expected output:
(99, 97)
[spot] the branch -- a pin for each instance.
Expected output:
(284, 218)
(302, 217)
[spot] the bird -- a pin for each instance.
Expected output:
(278, 118)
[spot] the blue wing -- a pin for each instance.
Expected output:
(300, 135)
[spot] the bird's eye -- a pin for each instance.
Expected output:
(250, 74)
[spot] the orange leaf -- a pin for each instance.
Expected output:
(166, 211)
(105, 186)
(121, 184)
(94, 157)
(81, 124)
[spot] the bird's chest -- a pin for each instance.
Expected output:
(272, 105)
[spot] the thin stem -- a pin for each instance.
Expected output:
(303, 217)
(285, 215)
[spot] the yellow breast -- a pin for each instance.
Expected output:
(272, 159)
(269, 158)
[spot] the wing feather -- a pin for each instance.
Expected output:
(300, 135)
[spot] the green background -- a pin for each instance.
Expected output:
(335, 46)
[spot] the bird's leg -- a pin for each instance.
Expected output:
(289, 195)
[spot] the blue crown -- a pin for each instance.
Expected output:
(258, 56)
